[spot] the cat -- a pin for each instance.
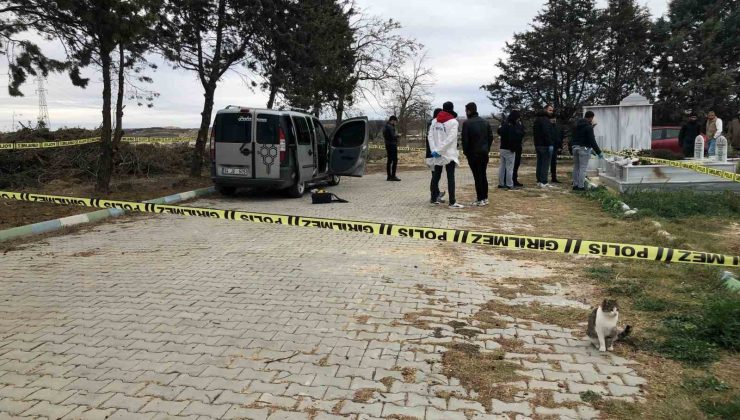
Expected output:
(602, 326)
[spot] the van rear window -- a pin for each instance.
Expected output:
(233, 128)
(268, 129)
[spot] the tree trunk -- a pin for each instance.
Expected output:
(205, 122)
(340, 111)
(118, 134)
(273, 95)
(105, 164)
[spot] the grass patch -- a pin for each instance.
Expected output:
(648, 303)
(483, 373)
(684, 203)
(609, 202)
(364, 395)
(687, 349)
(590, 397)
(555, 315)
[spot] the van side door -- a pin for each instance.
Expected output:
(349, 148)
(304, 148)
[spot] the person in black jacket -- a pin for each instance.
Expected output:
(558, 133)
(477, 138)
(584, 143)
(544, 144)
(518, 155)
(688, 134)
(512, 134)
(391, 148)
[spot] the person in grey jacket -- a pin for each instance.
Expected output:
(391, 148)
(477, 138)
(584, 144)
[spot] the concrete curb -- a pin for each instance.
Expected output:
(58, 224)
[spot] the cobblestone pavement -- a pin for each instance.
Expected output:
(171, 317)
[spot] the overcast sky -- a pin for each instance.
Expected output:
(464, 41)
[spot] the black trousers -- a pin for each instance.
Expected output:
(479, 164)
(392, 153)
(437, 175)
(517, 162)
(554, 165)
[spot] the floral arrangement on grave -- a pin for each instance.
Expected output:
(631, 155)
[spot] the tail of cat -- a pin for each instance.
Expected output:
(625, 332)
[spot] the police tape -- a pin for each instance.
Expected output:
(495, 240)
(696, 167)
(422, 149)
(78, 142)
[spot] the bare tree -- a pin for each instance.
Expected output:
(378, 51)
(410, 99)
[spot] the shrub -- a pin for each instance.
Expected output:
(680, 204)
(720, 322)
(685, 348)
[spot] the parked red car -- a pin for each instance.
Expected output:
(666, 138)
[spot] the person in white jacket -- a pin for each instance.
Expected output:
(443, 145)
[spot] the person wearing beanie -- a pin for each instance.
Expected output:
(391, 148)
(443, 145)
(477, 138)
(512, 135)
(687, 135)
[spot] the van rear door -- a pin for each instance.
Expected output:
(349, 148)
(234, 148)
(267, 156)
(304, 148)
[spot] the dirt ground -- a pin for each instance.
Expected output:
(17, 213)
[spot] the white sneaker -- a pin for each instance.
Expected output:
(456, 206)
(484, 202)
(541, 185)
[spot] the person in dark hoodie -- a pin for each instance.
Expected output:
(688, 134)
(512, 134)
(558, 133)
(518, 156)
(477, 138)
(391, 148)
(544, 144)
(584, 144)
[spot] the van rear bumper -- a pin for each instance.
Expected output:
(285, 180)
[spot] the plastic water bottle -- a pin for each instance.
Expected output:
(721, 149)
(699, 148)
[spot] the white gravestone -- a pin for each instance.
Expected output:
(624, 126)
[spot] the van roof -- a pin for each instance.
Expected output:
(232, 109)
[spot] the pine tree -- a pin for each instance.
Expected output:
(626, 61)
(699, 59)
(555, 62)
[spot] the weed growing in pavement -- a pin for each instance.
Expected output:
(590, 397)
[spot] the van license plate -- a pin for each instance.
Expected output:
(237, 171)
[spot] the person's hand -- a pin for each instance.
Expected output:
(601, 156)
(436, 155)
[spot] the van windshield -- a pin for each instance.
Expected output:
(268, 129)
(233, 128)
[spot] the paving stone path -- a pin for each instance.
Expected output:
(156, 317)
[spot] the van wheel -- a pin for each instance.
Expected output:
(334, 180)
(227, 191)
(297, 190)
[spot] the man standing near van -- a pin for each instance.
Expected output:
(391, 148)
(584, 143)
(544, 144)
(477, 138)
(714, 131)
(443, 144)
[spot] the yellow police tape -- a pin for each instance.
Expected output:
(515, 242)
(78, 142)
(422, 149)
(730, 176)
